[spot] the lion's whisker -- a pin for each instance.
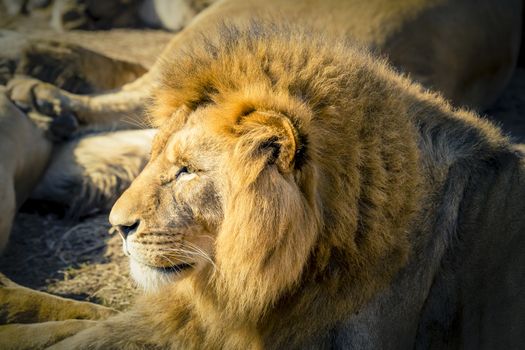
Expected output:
(199, 249)
(192, 250)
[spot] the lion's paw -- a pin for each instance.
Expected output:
(46, 104)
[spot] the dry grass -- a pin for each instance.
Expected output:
(74, 259)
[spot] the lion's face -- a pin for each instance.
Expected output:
(169, 216)
(220, 193)
(204, 167)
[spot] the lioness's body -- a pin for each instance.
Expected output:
(443, 44)
(465, 49)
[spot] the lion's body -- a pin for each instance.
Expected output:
(388, 220)
(338, 204)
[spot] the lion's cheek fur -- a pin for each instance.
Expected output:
(264, 243)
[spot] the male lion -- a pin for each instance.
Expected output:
(304, 195)
(301, 194)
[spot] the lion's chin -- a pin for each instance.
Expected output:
(151, 279)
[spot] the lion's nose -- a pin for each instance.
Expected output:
(127, 212)
(126, 230)
(124, 220)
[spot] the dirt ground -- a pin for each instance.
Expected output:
(77, 259)
(80, 259)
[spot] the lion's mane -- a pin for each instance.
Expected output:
(345, 180)
(337, 225)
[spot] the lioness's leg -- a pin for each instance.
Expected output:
(31, 319)
(121, 108)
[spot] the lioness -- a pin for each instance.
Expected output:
(301, 194)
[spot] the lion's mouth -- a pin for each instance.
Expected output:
(173, 269)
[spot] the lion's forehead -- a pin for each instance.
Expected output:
(194, 141)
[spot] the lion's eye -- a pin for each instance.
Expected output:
(182, 171)
(185, 173)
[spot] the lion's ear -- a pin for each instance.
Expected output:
(270, 135)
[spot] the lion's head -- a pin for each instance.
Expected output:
(277, 173)
(226, 181)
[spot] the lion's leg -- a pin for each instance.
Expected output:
(89, 173)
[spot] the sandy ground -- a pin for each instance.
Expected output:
(80, 259)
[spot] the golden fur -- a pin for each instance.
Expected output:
(330, 186)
